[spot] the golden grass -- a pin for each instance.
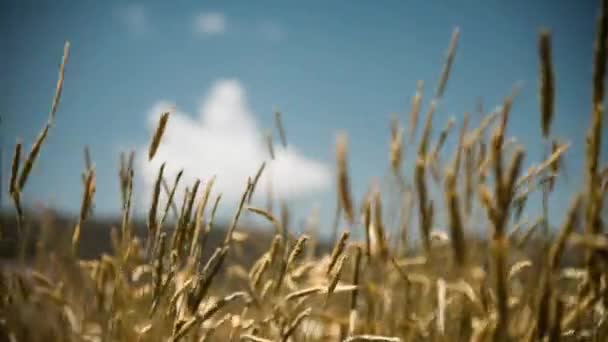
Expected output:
(172, 287)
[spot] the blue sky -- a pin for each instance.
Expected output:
(328, 65)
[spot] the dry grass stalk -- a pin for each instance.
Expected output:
(59, 87)
(595, 198)
(269, 144)
(555, 156)
(415, 111)
(31, 158)
(352, 322)
(253, 338)
(457, 237)
(378, 225)
(433, 159)
(279, 125)
(295, 324)
(367, 221)
(180, 227)
(170, 197)
(207, 275)
(270, 217)
(600, 53)
(372, 338)
(461, 144)
(256, 179)
(594, 141)
(152, 223)
(445, 73)
(200, 211)
(13, 186)
(87, 197)
(237, 214)
(423, 206)
(557, 249)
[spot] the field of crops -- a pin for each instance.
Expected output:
(171, 280)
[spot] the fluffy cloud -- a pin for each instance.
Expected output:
(210, 23)
(225, 140)
(133, 17)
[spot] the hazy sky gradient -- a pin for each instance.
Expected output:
(328, 65)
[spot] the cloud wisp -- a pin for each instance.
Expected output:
(224, 140)
(210, 23)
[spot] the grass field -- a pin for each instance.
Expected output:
(179, 276)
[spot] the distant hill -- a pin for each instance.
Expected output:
(95, 236)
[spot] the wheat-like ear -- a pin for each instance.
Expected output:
(125, 225)
(158, 135)
(286, 264)
(547, 89)
(334, 276)
(343, 180)
(297, 250)
(337, 251)
(396, 148)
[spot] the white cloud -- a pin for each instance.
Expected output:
(210, 23)
(133, 17)
(272, 32)
(225, 140)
